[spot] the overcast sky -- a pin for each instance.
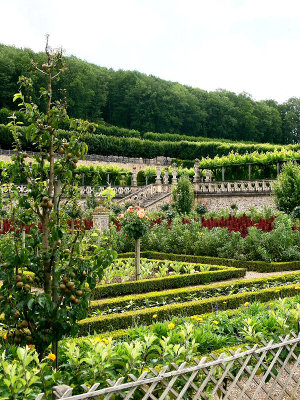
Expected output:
(248, 46)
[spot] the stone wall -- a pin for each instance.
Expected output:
(216, 202)
(95, 159)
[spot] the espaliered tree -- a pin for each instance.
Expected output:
(52, 257)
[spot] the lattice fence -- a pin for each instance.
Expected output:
(259, 373)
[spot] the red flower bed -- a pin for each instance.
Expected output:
(7, 226)
(234, 224)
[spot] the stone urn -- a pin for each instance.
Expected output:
(101, 216)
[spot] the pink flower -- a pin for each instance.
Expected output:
(141, 214)
(137, 207)
(130, 209)
(120, 216)
(205, 204)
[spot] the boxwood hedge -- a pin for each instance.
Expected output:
(219, 273)
(145, 316)
(258, 266)
(181, 293)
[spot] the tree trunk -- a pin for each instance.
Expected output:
(138, 259)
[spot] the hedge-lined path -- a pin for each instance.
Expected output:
(249, 275)
(254, 274)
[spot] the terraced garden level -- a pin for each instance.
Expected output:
(160, 275)
(132, 310)
(157, 299)
(182, 339)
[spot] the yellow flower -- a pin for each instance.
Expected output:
(97, 339)
(224, 302)
(105, 341)
(271, 304)
(154, 316)
(171, 326)
(182, 334)
(277, 290)
(194, 317)
(216, 322)
(5, 336)
(246, 304)
(52, 356)
(297, 287)
(200, 319)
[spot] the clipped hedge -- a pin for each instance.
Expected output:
(211, 289)
(121, 333)
(258, 266)
(145, 316)
(168, 282)
(220, 154)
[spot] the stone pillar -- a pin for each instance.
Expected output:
(166, 177)
(134, 180)
(223, 173)
(166, 180)
(249, 171)
(196, 178)
(158, 177)
(174, 174)
(200, 174)
(278, 168)
(100, 220)
(208, 175)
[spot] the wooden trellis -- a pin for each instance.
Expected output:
(268, 372)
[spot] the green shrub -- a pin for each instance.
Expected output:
(287, 188)
(183, 196)
(280, 244)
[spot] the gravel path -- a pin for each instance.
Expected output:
(249, 275)
(254, 274)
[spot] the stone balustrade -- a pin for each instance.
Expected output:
(121, 191)
(137, 193)
(256, 186)
(110, 159)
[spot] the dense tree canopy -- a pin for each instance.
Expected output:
(134, 100)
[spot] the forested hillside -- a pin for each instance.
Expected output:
(134, 100)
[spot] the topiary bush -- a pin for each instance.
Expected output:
(183, 196)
